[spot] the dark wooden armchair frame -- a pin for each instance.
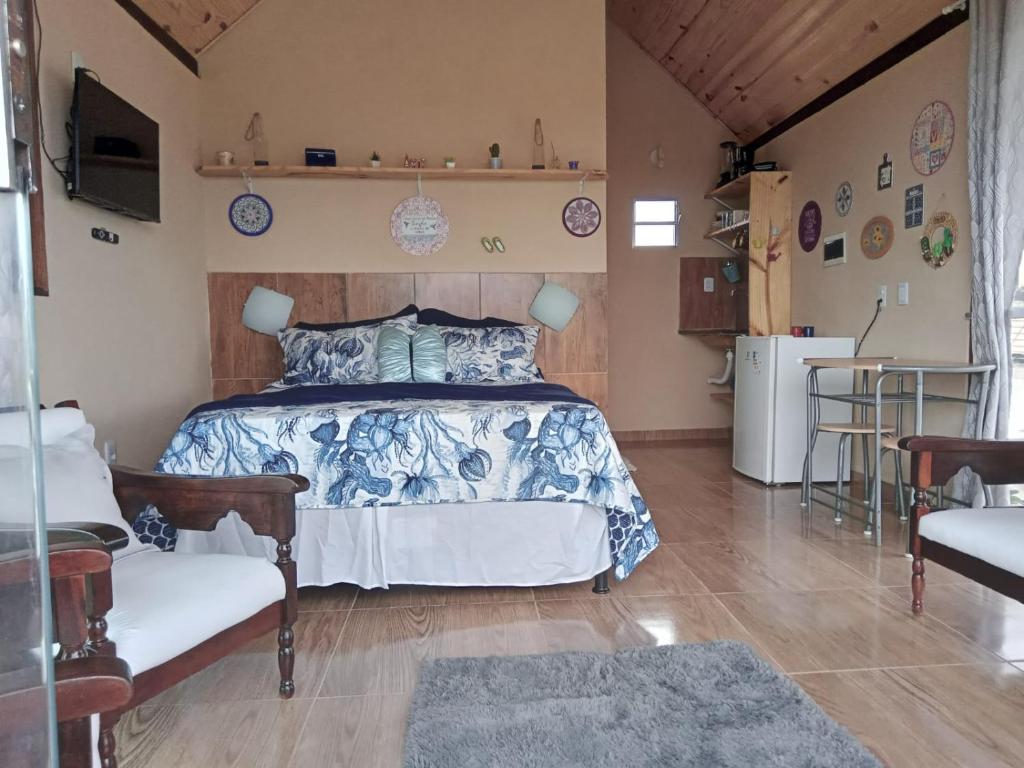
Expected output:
(934, 461)
(267, 504)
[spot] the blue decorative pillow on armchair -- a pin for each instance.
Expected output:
(153, 528)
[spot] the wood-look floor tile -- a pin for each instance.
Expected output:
(354, 731)
(252, 673)
(766, 564)
(240, 734)
(409, 596)
(884, 566)
(589, 625)
(988, 618)
(380, 650)
(661, 573)
(848, 629)
(337, 597)
(938, 717)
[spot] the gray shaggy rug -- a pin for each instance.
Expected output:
(704, 705)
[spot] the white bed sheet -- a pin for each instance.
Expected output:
(473, 544)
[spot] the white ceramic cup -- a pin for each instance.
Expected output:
(224, 157)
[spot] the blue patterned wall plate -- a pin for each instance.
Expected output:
(250, 214)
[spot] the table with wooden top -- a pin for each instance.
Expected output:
(884, 369)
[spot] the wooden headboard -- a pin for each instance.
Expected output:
(243, 361)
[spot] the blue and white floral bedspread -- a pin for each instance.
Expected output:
(422, 451)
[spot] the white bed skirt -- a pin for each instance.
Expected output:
(523, 543)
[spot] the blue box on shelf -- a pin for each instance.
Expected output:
(321, 157)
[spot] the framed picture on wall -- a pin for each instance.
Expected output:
(835, 249)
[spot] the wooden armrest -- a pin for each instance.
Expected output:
(934, 460)
(112, 537)
(265, 502)
(91, 685)
(78, 559)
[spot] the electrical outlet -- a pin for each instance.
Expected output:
(883, 295)
(903, 294)
(709, 285)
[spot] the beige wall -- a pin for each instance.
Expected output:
(125, 328)
(846, 142)
(431, 78)
(658, 379)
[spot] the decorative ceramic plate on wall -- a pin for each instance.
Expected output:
(932, 138)
(419, 226)
(939, 241)
(809, 226)
(250, 214)
(581, 217)
(876, 237)
(844, 198)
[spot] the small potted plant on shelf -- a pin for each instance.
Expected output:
(495, 155)
(449, 162)
(374, 159)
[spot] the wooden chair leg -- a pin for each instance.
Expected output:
(286, 660)
(107, 745)
(917, 585)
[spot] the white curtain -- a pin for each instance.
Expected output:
(995, 177)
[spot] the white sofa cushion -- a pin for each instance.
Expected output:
(166, 603)
(77, 482)
(993, 534)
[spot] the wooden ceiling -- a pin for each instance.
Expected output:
(194, 24)
(753, 63)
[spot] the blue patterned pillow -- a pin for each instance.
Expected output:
(491, 354)
(343, 356)
(153, 528)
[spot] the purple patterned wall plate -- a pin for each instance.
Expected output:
(250, 215)
(419, 226)
(809, 226)
(581, 217)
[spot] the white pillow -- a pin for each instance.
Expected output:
(77, 483)
(54, 423)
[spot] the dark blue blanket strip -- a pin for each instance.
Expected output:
(329, 394)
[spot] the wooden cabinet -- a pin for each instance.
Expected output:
(760, 303)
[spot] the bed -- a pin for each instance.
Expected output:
(459, 484)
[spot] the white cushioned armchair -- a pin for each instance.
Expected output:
(169, 615)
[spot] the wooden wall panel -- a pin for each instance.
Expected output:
(376, 295)
(235, 351)
(509, 296)
(243, 361)
(770, 253)
(719, 310)
(319, 298)
(455, 292)
(583, 346)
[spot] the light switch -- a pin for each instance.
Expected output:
(903, 294)
(709, 285)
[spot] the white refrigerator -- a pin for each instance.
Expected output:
(770, 420)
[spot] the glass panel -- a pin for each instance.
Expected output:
(27, 715)
(646, 235)
(654, 211)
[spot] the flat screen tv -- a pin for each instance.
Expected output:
(115, 152)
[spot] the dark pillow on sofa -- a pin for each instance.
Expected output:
(412, 309)
(433, 316)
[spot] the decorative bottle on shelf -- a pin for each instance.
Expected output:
(257, 140)
(538, 146)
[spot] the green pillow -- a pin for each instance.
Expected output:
(429, 359)
(393, 355)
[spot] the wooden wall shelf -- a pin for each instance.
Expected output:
(401, 174)
(724, 397)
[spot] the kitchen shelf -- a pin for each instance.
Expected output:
(727, 230)
(401, 174)
(724, 397)
(722, 340)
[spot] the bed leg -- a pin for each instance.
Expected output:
(601, 583)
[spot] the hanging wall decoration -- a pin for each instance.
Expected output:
(885, 173)
(913, 206)
(419, 226)
(939, 241)
(876, 237)
(581, 217)
(809, 228)
(844, 198)
(932, 138)
(250, 214)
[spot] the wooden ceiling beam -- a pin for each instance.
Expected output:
(161, 35)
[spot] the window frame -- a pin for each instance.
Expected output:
(675, 222)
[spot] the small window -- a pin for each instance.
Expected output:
(655, 223)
